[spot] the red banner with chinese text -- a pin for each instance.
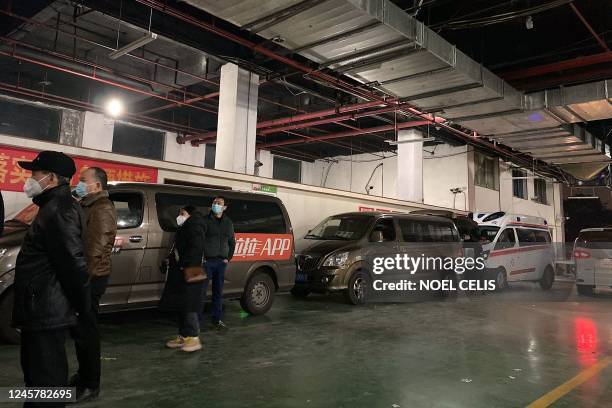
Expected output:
(12, 177)
(255, 247)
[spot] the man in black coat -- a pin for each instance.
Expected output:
(219, 245)
(50, 273)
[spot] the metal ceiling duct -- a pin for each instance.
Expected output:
(377, 43)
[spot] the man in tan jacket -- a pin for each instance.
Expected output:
(101, 219)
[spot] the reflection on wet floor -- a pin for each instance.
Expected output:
(496, 350)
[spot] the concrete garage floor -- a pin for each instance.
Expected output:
(498, 350)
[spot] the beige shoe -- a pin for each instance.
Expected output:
(192, 344)
(176, 342)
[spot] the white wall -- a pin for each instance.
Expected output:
(445, 169)
(98, 132)
(183, 153)
(487, 200)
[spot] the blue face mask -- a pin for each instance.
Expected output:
(81, 189)
(217, 209)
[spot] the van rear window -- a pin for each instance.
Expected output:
(595, 239)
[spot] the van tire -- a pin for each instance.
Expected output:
(258, 295)
(585, 290)
(301, 293)
(501, 279)
(7, 333)
(548, 278)
(357, 291)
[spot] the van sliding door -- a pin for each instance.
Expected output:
(130, 242)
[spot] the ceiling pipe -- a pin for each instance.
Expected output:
(313, 72)
(156, 64)
(74, 103)
(350, 133)
(318, 114)
(295, 118)
(188, 101)
(105, 47)
(558, 66)
(97, 70)
(333, 119)
(588, 26)
(97, 75)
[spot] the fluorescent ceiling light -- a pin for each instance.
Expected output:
(396, 142)
(132, 46)
(582, 198)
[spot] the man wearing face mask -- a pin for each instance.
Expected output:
(185, 298)
(51, 280)
(101, 219)
(219, 244)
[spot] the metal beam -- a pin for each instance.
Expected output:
(557, 66)
(588, 26)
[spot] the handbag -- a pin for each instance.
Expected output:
(194, 274)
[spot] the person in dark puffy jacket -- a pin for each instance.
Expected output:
(180, 296)
(51, 280)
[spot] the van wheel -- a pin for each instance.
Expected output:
(357, 291)
(501, 280)
(585, 290)
(301, 293)
(7, 333)
(258, 294)
(548, 278)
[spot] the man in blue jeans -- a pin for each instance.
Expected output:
(219, 244)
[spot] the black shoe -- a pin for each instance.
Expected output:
(220, 326)
(86, 394)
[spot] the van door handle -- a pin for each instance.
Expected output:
(135, 238)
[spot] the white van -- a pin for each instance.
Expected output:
(593, 257)
(518, 248)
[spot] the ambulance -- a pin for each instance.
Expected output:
(518, 248)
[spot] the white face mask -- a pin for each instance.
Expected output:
(180, 220)
(32, 187)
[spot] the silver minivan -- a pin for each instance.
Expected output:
(263, 262)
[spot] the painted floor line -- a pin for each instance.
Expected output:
(552, 396)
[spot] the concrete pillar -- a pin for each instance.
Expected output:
(237, 120)
(410, 166)
(98, 132)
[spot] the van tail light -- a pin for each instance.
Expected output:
(581, 253)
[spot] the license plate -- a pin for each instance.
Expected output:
(301, 277)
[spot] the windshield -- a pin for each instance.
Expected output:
(348, 228)
(486, 234)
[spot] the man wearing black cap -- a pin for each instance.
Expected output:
(51, 279)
